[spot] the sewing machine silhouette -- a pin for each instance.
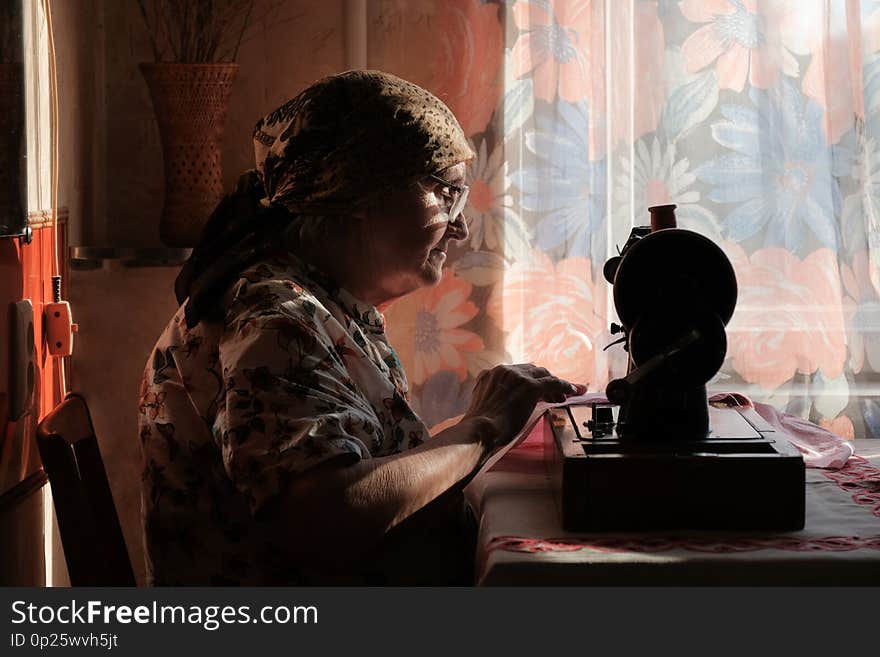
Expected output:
(658, 456)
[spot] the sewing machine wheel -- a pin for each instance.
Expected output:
(672, 270)
(695, 364)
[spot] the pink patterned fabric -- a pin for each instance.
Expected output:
(820, 447)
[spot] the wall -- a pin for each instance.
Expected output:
(121, 311)
(79, 28)
(112, 181)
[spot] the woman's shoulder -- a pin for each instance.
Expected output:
(274, 288)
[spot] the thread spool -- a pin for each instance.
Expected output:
(662, 216)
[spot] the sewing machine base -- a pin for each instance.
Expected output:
(743, 476)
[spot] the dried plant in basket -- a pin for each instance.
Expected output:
(195, 44)
(196, 31)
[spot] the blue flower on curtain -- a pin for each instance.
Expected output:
(561, 185)
(779, 173)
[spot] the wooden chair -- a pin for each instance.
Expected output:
(94, 547)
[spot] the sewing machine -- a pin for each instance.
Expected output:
(657, 456)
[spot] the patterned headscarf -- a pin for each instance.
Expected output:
(352, 136)
(340, 143)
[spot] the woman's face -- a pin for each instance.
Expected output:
(409, 233)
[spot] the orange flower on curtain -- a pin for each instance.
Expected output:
(453, 48)
(553, 315)
(559, 44)
(493, 220)
(468, 59)
(789, 317)
(748, 39)
(638, 85)
(561, 47)
(485, 209)
(424, 327)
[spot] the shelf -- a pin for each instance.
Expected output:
(94, 257)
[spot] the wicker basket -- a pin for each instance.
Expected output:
(190, 101)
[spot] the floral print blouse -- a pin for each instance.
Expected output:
(298, 372)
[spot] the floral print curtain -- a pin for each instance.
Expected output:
(760, 119)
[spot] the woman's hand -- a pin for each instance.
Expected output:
(506, 396)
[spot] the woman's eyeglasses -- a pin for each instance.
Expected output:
(458, 196)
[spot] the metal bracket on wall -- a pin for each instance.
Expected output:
(93, 257)
(26, 236)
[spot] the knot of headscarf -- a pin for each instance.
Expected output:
(336, 146)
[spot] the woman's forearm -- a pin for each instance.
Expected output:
(345, 510)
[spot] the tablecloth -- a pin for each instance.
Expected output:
(521, 541)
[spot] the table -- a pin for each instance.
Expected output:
(521, 541)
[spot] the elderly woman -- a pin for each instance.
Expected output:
(279, 447)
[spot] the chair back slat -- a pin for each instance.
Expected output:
(94, 546)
